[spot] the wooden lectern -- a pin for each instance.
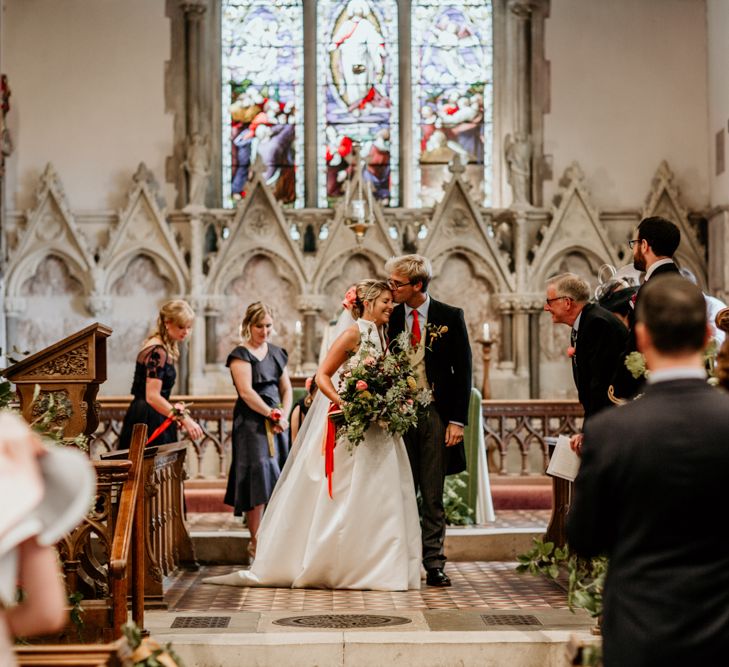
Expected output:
(70, 369)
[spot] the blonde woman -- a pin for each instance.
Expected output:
(260, 424)
(155, 375)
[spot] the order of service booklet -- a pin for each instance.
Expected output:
(564, 462)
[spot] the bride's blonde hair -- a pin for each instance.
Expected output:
(367, 290)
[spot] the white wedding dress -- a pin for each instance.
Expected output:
(367, 537)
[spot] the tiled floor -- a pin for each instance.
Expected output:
(479, 585)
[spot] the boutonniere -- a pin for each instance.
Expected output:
(436, 331)
(571, 351)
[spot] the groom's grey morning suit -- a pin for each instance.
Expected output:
(447, 370)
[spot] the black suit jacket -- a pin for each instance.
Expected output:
(650, 494)
(447, 367)
(601, 339)
(625, 385)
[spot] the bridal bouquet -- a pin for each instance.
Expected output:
(380, 389)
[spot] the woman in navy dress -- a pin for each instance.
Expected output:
(260, 443)
(154, 377)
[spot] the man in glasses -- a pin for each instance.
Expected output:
(441, 357)
(597, 341)
(656, 240)
(653, 247)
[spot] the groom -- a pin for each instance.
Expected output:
(442, 362)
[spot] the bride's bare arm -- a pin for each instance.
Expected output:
(338, 353)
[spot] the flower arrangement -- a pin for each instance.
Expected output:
(272, 421)
(635, 363)
(379, 390)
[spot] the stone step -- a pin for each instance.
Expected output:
(441, 638)
(463, 543)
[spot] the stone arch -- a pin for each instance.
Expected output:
(167, 270)
(262, 277)
(27, 269)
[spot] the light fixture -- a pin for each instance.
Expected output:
(359, 211)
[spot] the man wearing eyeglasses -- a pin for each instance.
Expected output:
(654, 246)
(441, 358)
(597, 341)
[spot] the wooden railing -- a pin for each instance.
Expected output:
(128, 544)
(165, 543)
(77, 655)
(515, 433)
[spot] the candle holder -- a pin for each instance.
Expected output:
(486, 359)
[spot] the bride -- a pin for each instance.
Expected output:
(367, 535)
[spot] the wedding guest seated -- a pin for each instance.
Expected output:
(302, 406)
(653, 471)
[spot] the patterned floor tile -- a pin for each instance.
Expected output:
(483, 585)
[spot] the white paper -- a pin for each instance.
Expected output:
(564, 462)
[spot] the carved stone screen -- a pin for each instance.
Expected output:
(263, 96)
(452, 65)
(358, 95)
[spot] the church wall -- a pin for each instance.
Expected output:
(629, 89)
(87, 82)
(718, 22)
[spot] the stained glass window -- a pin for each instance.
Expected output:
(358, 93)
(263, 96)
(452, 94)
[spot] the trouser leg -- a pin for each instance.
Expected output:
(426, 452)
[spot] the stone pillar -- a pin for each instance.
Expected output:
(15, 307)
(506, 313)
(196, 348)
(520, 11)
(407, 158)
(311, 111)
(310, 305)
(194, 11)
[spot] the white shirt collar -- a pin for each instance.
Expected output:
(678, 373)
(653, 267)
(422, 310)
(576, 324)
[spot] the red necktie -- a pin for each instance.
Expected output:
(415, 331)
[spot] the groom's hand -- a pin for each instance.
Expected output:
(453, 434)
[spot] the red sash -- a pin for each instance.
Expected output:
(330, 442)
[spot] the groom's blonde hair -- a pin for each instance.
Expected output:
(416, 267)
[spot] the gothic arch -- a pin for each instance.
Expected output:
(27, 267)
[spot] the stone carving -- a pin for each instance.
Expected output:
(518, 151)
(197, 158)
(74, 362)
(52, 277)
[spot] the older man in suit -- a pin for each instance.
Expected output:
(596, 343)
(654, 474)
(442, 362)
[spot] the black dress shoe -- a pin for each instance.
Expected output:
(436, 577)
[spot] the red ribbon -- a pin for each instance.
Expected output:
(160, 429)
(329, 444)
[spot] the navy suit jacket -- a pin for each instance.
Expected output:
(650, 495)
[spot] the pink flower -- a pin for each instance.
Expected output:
(350, 298)
(275, 415)
(409, 401)
(370, 361)
(571, 351)
(361, 385)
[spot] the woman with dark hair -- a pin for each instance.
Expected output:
(155, 375)
(260, 442)
(298, 414)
